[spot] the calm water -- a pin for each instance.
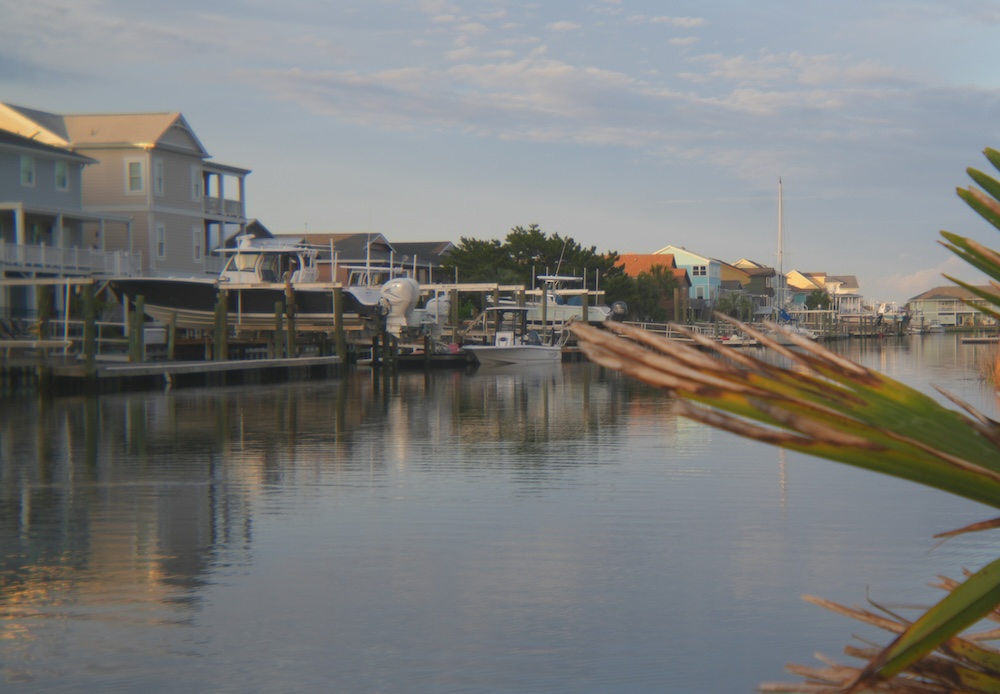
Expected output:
(543, 531)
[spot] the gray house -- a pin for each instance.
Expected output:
(152, 168)
(44, 229)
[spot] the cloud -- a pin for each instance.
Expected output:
(564, 26)
(911, 284)
(680, 22)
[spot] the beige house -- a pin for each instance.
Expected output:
(947, 305)
(152, 168)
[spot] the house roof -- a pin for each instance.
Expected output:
(846, 281)
(13, 140)
(633, 264)
(168, 130)
(37, 121)
(677, 250)
(164, 130)
(950, 293)
(423, 250)
(747, 264)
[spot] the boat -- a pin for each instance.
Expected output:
(563, 302)
(258, 275)
(786, 325)
(739, 340)
(935, 327)
(510, 341)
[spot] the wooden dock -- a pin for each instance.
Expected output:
(119, 377)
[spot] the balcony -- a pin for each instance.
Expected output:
(224, 207)
(68, 261)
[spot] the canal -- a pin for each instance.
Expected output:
(554, 530)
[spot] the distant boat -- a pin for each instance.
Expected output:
(512, 343)
(935, 327)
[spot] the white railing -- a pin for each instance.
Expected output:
(224, 207)
(69, 261)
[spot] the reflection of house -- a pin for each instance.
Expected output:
(152, 168)
(634, 264)
(705, 274)
(44, 230)
(947, 306)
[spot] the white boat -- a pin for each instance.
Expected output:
(935, 327)
(261, 273)
(739, 340)
(512, 343)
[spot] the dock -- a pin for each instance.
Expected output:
(103, 378)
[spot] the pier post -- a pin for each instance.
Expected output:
(220, 340)
(89, 331)
(171, 336)
(290, 310)
(279, 340)
(585, 303)
(338, 324)
(136, 331)
(453, 296)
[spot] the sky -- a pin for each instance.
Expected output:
(627, 125)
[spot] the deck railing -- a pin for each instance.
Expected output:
(68, 261)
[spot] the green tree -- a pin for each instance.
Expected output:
(818, 299)
(479, 261)
(827, 406)
(737, 306)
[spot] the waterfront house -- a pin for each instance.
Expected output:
(370, 258)
(44, 229)
(949, 306)
(634, 264)
(152, 168)
(705, 274)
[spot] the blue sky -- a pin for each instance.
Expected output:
(625, 124)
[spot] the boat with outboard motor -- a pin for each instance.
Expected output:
(511, 341)
(260, 273)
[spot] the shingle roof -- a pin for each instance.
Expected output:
(15, 140)
(949, 292)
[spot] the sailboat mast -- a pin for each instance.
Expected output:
(781, 246)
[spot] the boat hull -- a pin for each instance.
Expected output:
(489, 355)
(190, 303)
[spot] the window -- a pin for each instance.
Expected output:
(62, 175)
(28, 171)
(698, 271)
(699, 292)
(196, 183)
(196, 239)
(158, 177)
(134, 176)
(161, 241)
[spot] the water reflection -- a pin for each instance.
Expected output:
(544, 530)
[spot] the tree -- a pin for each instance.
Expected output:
(829, 407)
(479, 261)
(818, 299)
(529, 250)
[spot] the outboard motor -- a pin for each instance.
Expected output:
(619, 311)
(401, 294)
